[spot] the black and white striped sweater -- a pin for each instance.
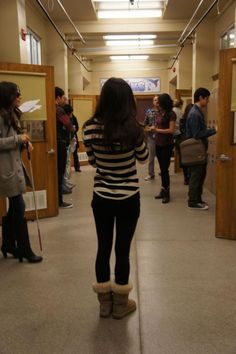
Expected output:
(116, 174)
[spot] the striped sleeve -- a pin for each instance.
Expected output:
(141, 153)
(86, 132)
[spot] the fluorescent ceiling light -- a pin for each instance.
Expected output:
(160, 3)
(129, 43)
(129, 57)
(129, 36)
(130, 14)
(127, 6)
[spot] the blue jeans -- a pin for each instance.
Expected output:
(124, 214)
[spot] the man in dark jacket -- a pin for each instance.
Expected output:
(196, 128)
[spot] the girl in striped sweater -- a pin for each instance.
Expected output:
(114, 140)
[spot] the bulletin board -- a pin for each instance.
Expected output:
(32, 86)
(83, 110)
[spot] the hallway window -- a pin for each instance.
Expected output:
(33, 48)
(228, 39)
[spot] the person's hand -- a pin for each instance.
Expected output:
(30, 146)
(25, 137)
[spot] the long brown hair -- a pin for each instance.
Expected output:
(9, 91)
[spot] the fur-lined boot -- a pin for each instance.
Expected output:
(104, 295)
(122, 305)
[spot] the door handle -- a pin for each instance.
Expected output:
(51, 151)
(224, 158)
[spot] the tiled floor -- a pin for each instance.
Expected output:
(184, 282)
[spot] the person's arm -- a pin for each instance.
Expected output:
(141, 152)
(64, 119)
(86, 133)
(197, 131)
(169, 130)
(11, 142)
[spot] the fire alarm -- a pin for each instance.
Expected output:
(23, 33)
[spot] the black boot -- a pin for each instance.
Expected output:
(23, 242)
(8, 238)
(161, 194)
(166, 196)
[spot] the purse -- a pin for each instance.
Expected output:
(192, 152)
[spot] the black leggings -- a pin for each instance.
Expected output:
(16, 210)
(164, 155)
(124, 214)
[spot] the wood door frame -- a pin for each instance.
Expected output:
(52, 200)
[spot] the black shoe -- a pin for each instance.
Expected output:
(160, 195)
(65, 205)
(78, 170)
(67, 191)
(31, 258)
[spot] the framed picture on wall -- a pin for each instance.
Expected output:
(141, 84)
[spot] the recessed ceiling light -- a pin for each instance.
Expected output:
(129, 57)
(129, 36)
(129, 14)
(130, 43)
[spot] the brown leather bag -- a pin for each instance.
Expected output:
(192, 152)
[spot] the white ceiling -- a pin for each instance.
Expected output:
(168, 29)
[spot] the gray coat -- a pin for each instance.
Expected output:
(12, 174)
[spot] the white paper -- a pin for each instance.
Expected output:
(30, 106)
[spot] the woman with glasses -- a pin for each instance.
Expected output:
(13, 177)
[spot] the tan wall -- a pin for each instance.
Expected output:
(12, 19)
(225, 21)
(39, 25)
(126, 70)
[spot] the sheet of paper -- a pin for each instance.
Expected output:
(29, 105)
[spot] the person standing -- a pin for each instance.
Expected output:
(13, 176)
(182, 127)
(196, 128)
(64, 128)
(149, 122)
(164, 129)
(114, 140)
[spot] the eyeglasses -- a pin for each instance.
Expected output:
(18, 94)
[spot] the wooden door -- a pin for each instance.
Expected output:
(35, 82)
(226, 149)
(143, 103)
(84, 107)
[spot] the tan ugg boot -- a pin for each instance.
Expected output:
(122, 305)
(104, 295)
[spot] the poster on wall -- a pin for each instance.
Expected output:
(141, 84)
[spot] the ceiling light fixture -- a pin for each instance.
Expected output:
(129, 36)
(129, 57)
(130, 14)
(138, 43)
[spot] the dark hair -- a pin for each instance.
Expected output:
(187, 109)
(59, 92)
(116, 110)
(8, 95)
(68, 108)
(165, 102)
(201, 92)
(178, 102)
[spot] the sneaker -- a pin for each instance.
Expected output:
(65, 205)
(198, 206)
(66, 191)
(149, 178)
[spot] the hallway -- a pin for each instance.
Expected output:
(184, 283)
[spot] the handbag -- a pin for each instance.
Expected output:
(192, 152)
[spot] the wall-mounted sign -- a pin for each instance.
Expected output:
(141, 84)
